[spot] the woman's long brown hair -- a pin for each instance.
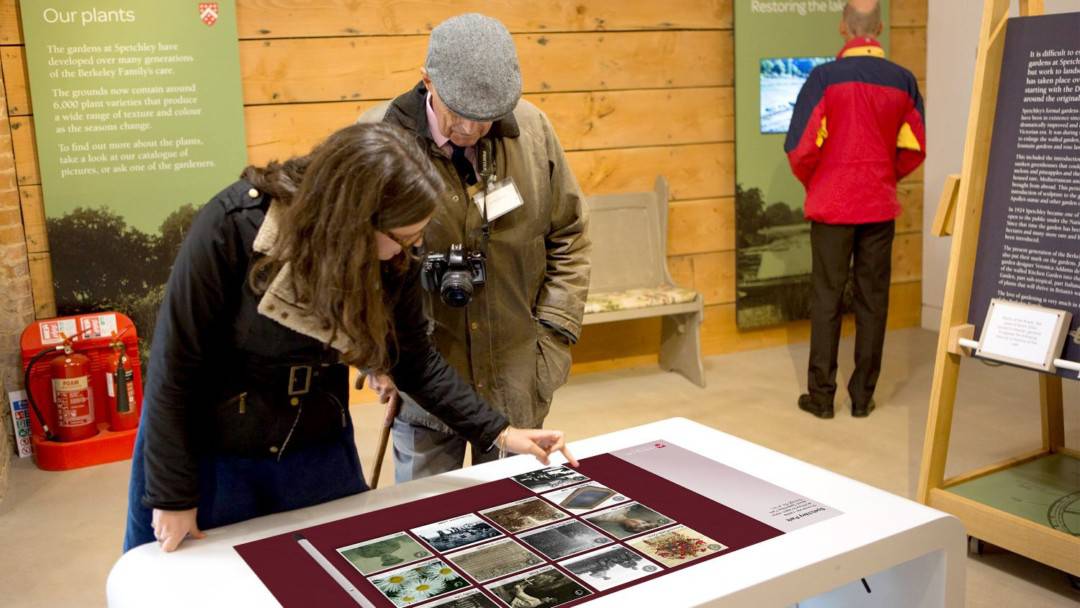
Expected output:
(361, 179)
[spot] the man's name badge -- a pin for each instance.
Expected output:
(502, 197)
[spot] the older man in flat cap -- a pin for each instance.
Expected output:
(511, 201)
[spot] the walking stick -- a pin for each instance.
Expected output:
(384, 438)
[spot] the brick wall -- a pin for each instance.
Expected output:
(16, 302)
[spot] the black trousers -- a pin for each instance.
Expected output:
(867, 250)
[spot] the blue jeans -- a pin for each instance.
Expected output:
(424, 446)
(233, 489)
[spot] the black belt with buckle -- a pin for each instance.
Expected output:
(272, 409)
(262, 376)
(300, 380)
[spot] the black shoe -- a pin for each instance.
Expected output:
(807, 404)
(862, 411)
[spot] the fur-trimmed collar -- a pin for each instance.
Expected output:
(279, 303)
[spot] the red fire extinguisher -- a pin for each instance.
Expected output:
(72, 396)
(73, 399)
(120, 390)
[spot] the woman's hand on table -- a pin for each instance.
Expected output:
(172, 527)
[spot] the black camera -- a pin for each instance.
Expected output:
(453, 274)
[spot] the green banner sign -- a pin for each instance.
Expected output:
(139, 120)
(777, 43)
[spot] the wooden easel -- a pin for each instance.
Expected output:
(960, 215)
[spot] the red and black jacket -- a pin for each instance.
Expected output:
(857, 128)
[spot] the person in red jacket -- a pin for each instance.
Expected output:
(857, 128)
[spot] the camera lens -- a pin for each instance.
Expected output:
(457, 288)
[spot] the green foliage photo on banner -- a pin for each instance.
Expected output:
(777, 44)
(138, 121)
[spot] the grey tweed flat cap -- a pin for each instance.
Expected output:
(473, 64)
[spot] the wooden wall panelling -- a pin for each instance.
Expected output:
(907, 257)
(907, 13)
(277, 132)
(714, 276)
(693, 171)
(310, 69)
(917, 176)
(619, 119)
(908, 48)
(33, 217)
(41, 284)
(910, 195)
(22, 139)
(681, 268)
(10, 27)
(16, 86)
(592, 120)
(701, 226)
(289, 19)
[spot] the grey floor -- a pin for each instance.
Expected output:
(60, 532)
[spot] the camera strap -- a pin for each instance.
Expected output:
(486, 153)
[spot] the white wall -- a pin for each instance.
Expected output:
(952, 36)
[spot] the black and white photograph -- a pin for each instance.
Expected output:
(565, 539)
(550, 478)
(541, 588)
(524, 515)
(628, 520)
(611, 567)
(473, 598)
(377, 554)
(586, 497)
(457, 532)
(495, 559)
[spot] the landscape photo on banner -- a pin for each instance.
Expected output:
(138, 121)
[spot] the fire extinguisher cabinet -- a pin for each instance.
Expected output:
(94, 336)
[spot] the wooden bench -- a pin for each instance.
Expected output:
(630, 278)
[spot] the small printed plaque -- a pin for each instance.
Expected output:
(1023, 334)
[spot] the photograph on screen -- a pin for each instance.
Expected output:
(781, 80)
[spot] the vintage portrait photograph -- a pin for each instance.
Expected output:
(417, 583)
(371, 556)
(628, 520)
(585, 497)
(456, 533)
(494, 559)
(473, 598)
(541, 588)
(676, 546)
(524, 515)
(550, 478)
(565, 539)
(610, 567)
